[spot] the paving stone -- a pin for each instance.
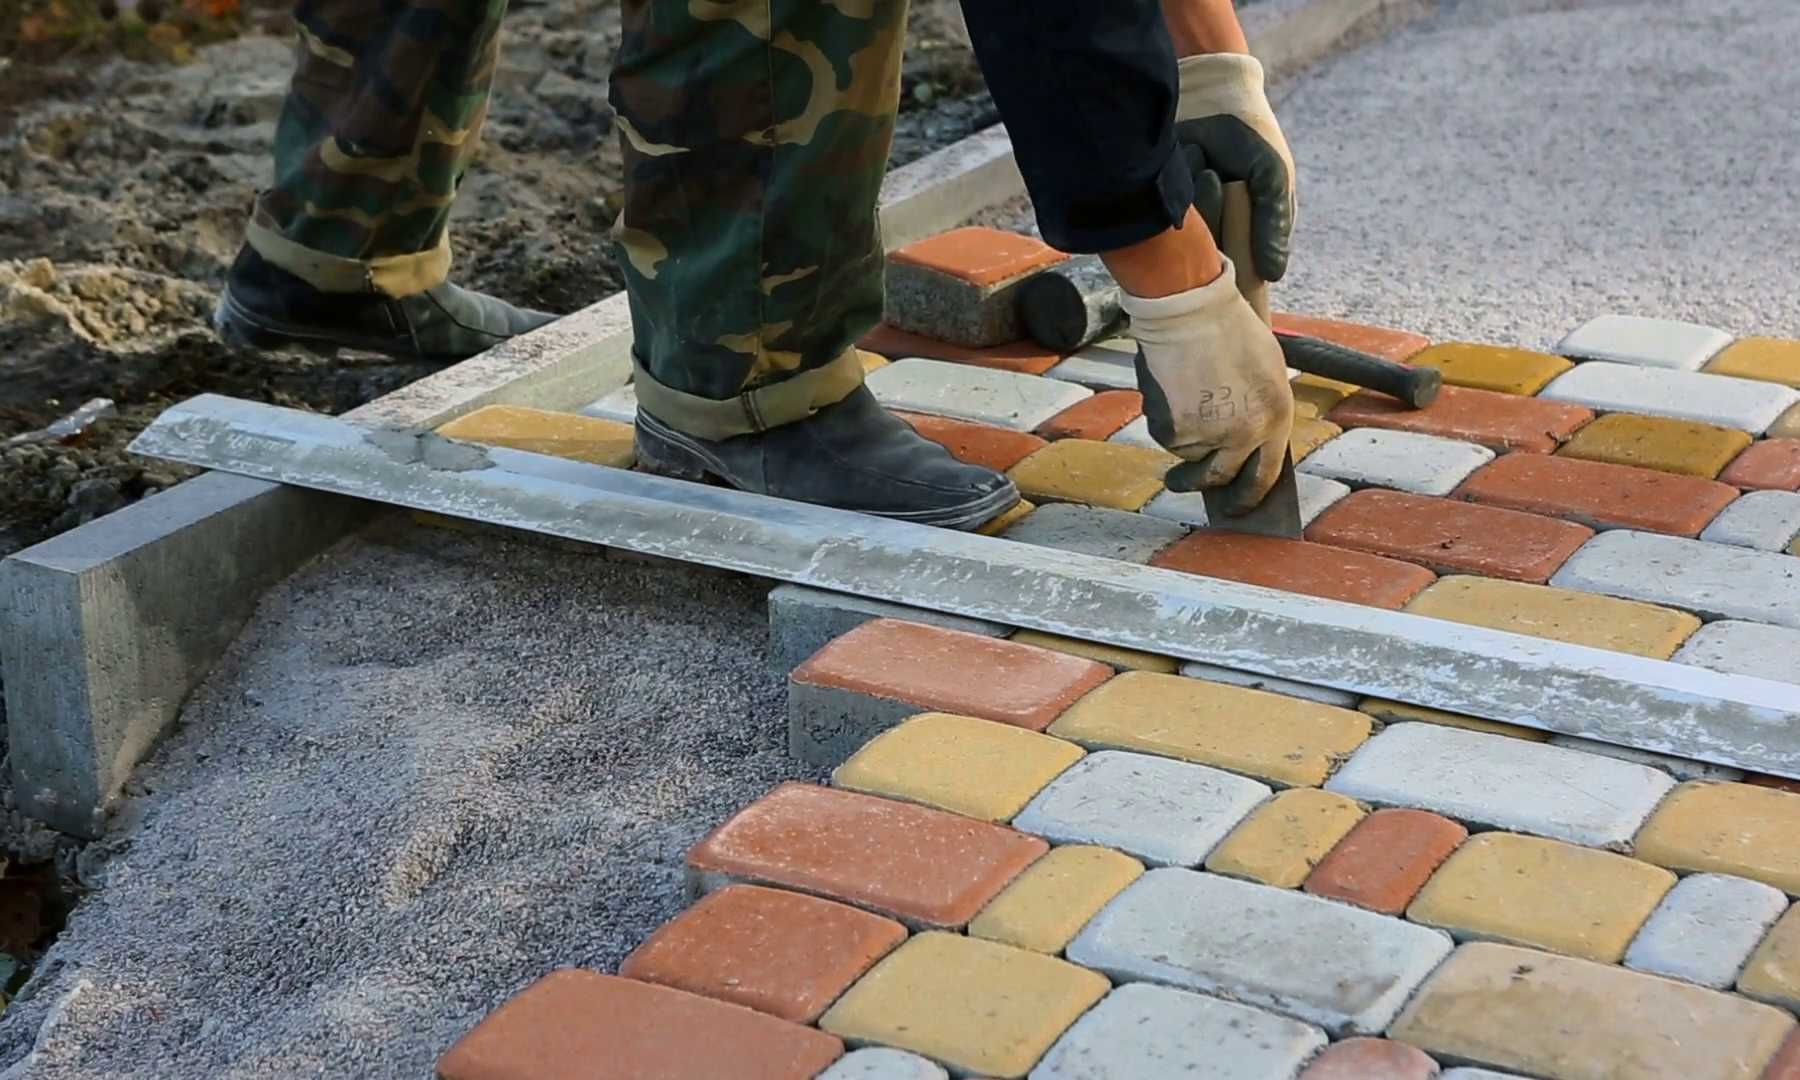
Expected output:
(1712, 580)
(1096, 418)
(1140, 1031)
(1164, 812)
(1496, 782)
(1745, 648)
(1524, 890)
(1705, 929)
(1000, 398)
(1496, 421)
(1767, 464)
(1679, 768)
(1104, 365)
(1189, 507)
(1765, 358)
(1280, 739)
(1467, 1073)
(998, 526)
(976, 768)
(1492, 367)
(1113, 656)
(803, 620)
(1686, 395)
(871, 360)
(1364, 1058)
(884, 671)
(925, 867)
(1309, 433)
(1739, 829)
(1383, 862)
(570, 1019)
(1400, 712)
(1297, 566)
(1023, 357)
(619, 405)
(1316, 396)
(1047, 905)
(1093, 474)
(1449, 536)
(1580, 618)
(1656, 343)
(963, 285)
(778, 952)
(1772, 973)
(1340, 967)
(971, 1005)
(1382, 341)
(991, 447)
(1786, 1065)
(1764, 520)
(1787, 427)
(1324, 695)
(1548, 1015)
(883, 1063)
(540, 431)
(1598, 494)
(1657, 442)
(1371, 457)
(1284, 838)
(1109, 534)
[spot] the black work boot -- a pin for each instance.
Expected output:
(853, 455)
(265, 307)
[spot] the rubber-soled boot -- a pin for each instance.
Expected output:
(265, 307)
(853, 455)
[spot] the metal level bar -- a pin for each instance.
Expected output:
(1594, 693)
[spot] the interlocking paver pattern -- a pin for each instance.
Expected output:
(1764, 520)
(1705, 928)
(1500, 422)
(1492, 367)
(1386, 859)
(1745, 648)
(1714, 581)
(1766, 358)
(1739, 829)
(991, 447)
(1283, 839)
(1772, 464)
(1686, 395)
(1364, 1058)
(1093, 530)
(1449, 536)
(1274, 562)
(1141, 1031)
(1686, 447)
(984, 395)
(1403, 460)
(972, 767)
(1092, 473)
(1047, 905)
(1189, 507)
(1324, 695)
(1599, 495)
(1579, 618)
(1634, 339)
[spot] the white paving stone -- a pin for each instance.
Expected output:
(1233, 677)
(1745, 404)
(620, 405)
(1705, 928)
(1764, 520)
(1679, 768)
(883, 1063)
(1104, 365)
(1189, 507)
(1633, 339)
(1165, 812)
(965, 392)
(1140, 1031)
(1092, 530)
(1136, 433)
(1745, 648)
(1343, 968)
(1714, 581)
(1402, 460)
(1505, 783)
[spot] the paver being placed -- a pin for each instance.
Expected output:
(1383, 341)
(1745, 648)
(1449, 536)
(1764, 520)
(1492, 367)
(1598, 494)
(1767, 464)
(560, 434)
(1496, 421)
(1656, 343)
(1705, 929)
(1502, 783)
(1279, 739)
(1110, 534)
(925, 867)
(883, 1063)
(803, 620)
(1140, 1031)
(1113, 656)
(1284, 838)
(1189, 507)
(1772, 973)
(1686, 395)
(1766, 358)
(1712, 580)
(976, 768)
(1093, 473)
(1579, 618)
(1001, 398)
(1525, 890)
(1548, 1015)
(1047, 905)
(1098, 417)
(893, 343)
(1657, 442)
(1324, 695)
(1679, 768)
(962, 285)
(1167, 813)
(1363, 1058)
(1340, 967)
(1297, 566)
(1739, 829)
(1404, 460)
(974, 1006)
(1400, 712)
(991, 447)
(1104, 365)
(1386, 859)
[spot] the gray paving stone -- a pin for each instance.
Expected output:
(1343, 968)
(1678, 767)
(826, 724)
(1745, 404)
(1091, 530)
(965, 392)
(1233, 677)
(1402, 460)
(1657, 343)
(1104, 365)
(1745, 648)
(1712, 580)
(620, 405)
(802, 621)
(1495, 781)
(1140, 1031)
(948, 308)
(1764, 520)
(883, 1063)
(1189, 507)
(1167, 813)
(1136, 433)
(1705, 928)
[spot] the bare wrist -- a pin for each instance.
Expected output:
(1172, 261)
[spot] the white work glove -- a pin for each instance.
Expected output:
(1226, 130)
(1215, 386)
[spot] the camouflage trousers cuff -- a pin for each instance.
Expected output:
(395, 275)
(757, 409)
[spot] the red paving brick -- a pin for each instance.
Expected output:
(1785, 1065)
(1297, 566)
(1780, 783)
(1379, 340)
(979, 255)
(978, 444)
(1024, 357)
(1598, 494)
(1450, 537)
(926, 867)
(1370, 1059)
(1768, 464)
(1386, 859)
(953, 671)
(782, 953)
(1095, 418)
(575, 1024)
(1497, 421)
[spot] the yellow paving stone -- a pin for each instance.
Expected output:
(978, 768)
(1492, 367)
(1398, 712)
(1284, 838)
(1310, 433)
(564, 435)
(974, 1006)
(1526, 890)
(1741, 829)
(1786, 426)
(1047, 905)
(1657, 442)
(1285, 740)
(1007, 520)
(1773, 971)
(1315, 395)
(1580, 618)
(1093, 473)
(1121, 658)
(1765, 358)
(871, 361)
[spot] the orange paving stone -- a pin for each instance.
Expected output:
(1786, 1063)
(953, 671)
(783, 953)
(1370, 1059)
(925, 867)
(1095, 418)
(979, 255)
(1023, 357)
(1386, 859)
(1381, 341)
(1297, 566)
(1598, 495)
(582, 1025)
(1771, 464)
(1497, 421)
(1450, 537)
(978, 444)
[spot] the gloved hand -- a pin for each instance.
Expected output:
(1214, 383)
(1224, 126)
